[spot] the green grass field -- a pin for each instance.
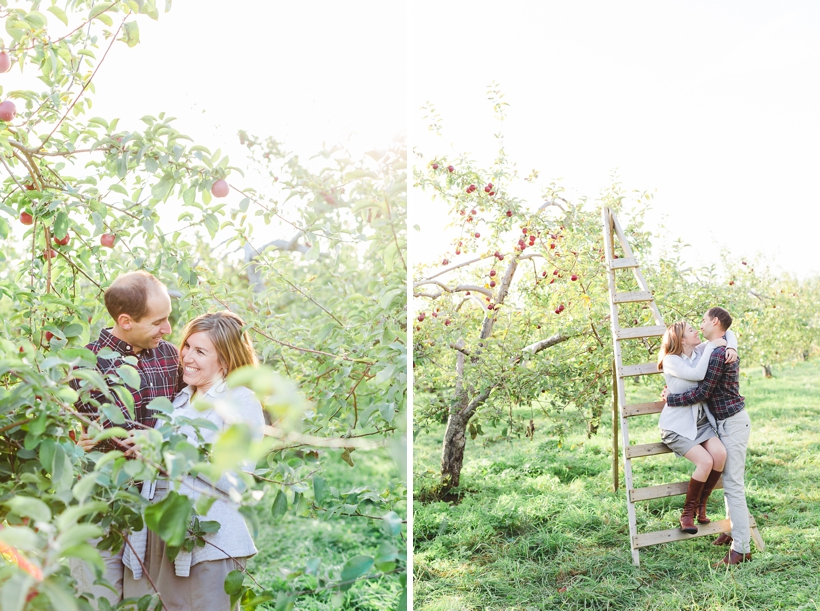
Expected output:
(541, 528)
(287, 545)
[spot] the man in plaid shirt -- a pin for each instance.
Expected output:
(720, 390)
(141, 307)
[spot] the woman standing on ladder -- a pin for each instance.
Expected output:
(689, 431)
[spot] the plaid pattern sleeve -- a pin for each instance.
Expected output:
(719, 389)
(159, 371)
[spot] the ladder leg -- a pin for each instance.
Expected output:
(636, 557)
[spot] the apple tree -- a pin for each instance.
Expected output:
(515, 312)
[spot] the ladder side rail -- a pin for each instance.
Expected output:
(613, 310)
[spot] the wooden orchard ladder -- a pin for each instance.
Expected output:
(612, 229)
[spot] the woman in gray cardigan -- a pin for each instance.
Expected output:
(213, 345)
(690, 431)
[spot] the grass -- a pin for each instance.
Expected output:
(287, 545)
(541, 528)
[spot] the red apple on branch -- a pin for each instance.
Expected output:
(26, 218)
(5, 62)
(64, 241)
(7, 111)
(220, 188)
(107, 240)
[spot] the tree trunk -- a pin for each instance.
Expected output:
(805, 355)
(452, 452)
(767, 371)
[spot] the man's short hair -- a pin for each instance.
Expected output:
(722, 315)
(128, 294)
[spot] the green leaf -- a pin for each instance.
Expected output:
(392, 523)
(113, 413)
(4, 229)
(280, 505)
(211, 224)
(161, 404)
(313, 253)
(319, 489)
(77, 534)
(21, 537)
(189, 195)
(130, 376)
(126, 397)
(30, 507)
(385, 374)
(170, 518)
(233, 582)
(355, 568)
(58, 13)
(60, 225)
(14, 590)
(131, 33)
(62, 473)
(203, 504)
(83, 488)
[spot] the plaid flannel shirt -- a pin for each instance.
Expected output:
(720, 388)
(160, 376)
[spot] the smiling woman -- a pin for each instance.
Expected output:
(212, 346)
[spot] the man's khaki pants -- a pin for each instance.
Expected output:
(113, 574)
(734, 433)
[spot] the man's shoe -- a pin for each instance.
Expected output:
(708, 486)
(723, 539)
(687, 516)
(733, 558)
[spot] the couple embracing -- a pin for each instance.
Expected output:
(705, 421)
(212, 346)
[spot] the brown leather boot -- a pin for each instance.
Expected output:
(687, 516)
(733, 558)
(708, 486)
(723, 539)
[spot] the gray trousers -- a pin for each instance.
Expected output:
(734, 433)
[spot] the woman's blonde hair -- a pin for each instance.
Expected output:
(224, 329)
(672, 342)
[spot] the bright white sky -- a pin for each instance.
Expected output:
(715, 105)
(305, 73)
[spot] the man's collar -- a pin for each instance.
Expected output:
(109, 340)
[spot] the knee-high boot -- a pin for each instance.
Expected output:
(708, 486)
(687, 516)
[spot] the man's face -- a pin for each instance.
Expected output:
(148, 331)
(710, 327)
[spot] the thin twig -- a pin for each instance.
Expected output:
(144, 570)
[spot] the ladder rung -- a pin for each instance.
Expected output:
(638, 370)
(623, 263)
(638, 332)
(676, 534)
(642, 409)
(633, 296)
(646, 449)
(662, 491)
